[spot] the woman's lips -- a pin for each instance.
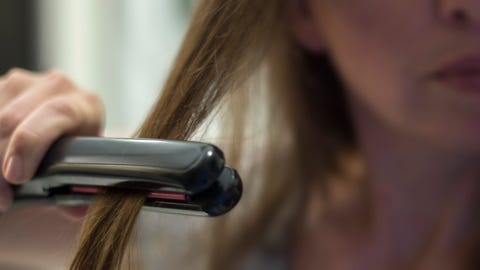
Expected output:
(462, 75)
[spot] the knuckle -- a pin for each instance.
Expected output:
(58, 81)
(91, 97)
(13, 79)
(16, 72)
(92, 113)
(8, 121)
(63, 107)
(24, 137)
(95, 105)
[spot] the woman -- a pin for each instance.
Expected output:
(375, 170)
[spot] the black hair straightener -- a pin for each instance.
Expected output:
(180, 177)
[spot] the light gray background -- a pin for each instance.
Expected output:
(121, 49)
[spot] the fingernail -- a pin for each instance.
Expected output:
(14, 168)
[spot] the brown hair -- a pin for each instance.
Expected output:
(107, 230)
(238, 60)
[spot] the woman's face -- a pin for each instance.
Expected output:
(414, 64)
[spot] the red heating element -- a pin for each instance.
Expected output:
(158, 195)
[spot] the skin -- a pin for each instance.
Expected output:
(419, 136)
(26, 100)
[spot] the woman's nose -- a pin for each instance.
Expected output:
(459, 12)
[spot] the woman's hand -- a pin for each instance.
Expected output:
(35, 110)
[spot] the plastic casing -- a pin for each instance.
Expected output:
(185, 165)
(195, 169)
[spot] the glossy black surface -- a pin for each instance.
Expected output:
(194, 169)
(189, 165)
(223, 195)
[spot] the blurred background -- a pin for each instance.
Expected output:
(120, 49)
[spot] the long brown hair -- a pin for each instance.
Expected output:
(276, 103)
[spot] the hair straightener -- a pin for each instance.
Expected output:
(179, 177)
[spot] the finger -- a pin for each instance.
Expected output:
(21, 106)
(31, 139)
(20, 73)
(3, 147)
(74, 213)
(6, 196)
(14, 82)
